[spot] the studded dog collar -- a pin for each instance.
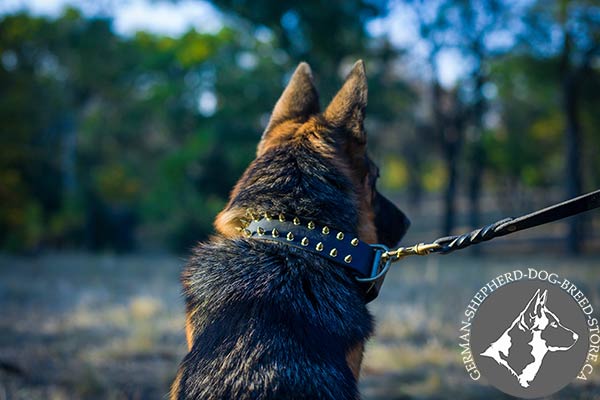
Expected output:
(370, 262)
(363, 260)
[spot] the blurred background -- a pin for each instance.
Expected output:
(124, 124)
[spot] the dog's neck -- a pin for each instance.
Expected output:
(509, 341)
(539, 349)
(299, 186)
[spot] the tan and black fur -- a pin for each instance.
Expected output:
(269, 321)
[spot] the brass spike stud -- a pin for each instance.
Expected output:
(304, 241)
(296, 221)
(354, 242)
(244, 222)
(251, 214)
(275, 233)
(267, 216)
(260, 230)
(247, 232)
(333, 252)
(311, 225)
(290, 236)
(281, 217)
(325, 230)
(319, 246)
(339, 236)
(348, 259)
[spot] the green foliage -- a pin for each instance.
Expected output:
(103, 133)
(114, 142)
(527, 146)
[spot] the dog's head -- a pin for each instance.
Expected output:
(336, 135)
(537, 317)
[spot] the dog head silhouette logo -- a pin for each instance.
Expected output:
(529, 339)
(546, 332)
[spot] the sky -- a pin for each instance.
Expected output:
(160, 16)
(175, 18)
(401, 29)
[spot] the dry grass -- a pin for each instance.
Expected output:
(81, 326)
(105, 327)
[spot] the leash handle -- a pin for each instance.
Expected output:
(502, 227)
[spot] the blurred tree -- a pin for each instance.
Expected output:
(325, 34)
(98, 128)
(473, 24)
(331, 36)
(525, 149)
(446, 124)
(570, 31)
(392, 122)
(30, 140)
(107, 139)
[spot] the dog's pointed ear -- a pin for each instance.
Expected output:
(544, 297)
(299, 99)
(347, 109)
(540, 303)
(529, 311)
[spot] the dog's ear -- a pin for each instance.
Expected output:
(529, 312)
(540, 303)
(299, 99)
(347, 109)
(535, 308)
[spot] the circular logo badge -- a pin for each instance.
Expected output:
(529, 338)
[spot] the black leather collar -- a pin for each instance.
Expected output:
(345, 249)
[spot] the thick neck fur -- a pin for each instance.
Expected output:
(299, 182)
(268, 320)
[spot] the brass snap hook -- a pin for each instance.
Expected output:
(421, 249)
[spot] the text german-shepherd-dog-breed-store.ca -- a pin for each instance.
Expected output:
(272, 311)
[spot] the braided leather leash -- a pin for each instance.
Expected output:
(503, 227)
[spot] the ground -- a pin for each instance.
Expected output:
(111, 327)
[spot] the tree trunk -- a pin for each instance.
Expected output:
(477, 156)
(415, 171)
(453, 139)
(450, 192)
(569, 85)
(68, 156)
(448, 149)
(573, 180)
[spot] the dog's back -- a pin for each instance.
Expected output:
(271, 326)
(271, 321)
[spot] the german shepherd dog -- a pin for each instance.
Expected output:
(270, 321)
